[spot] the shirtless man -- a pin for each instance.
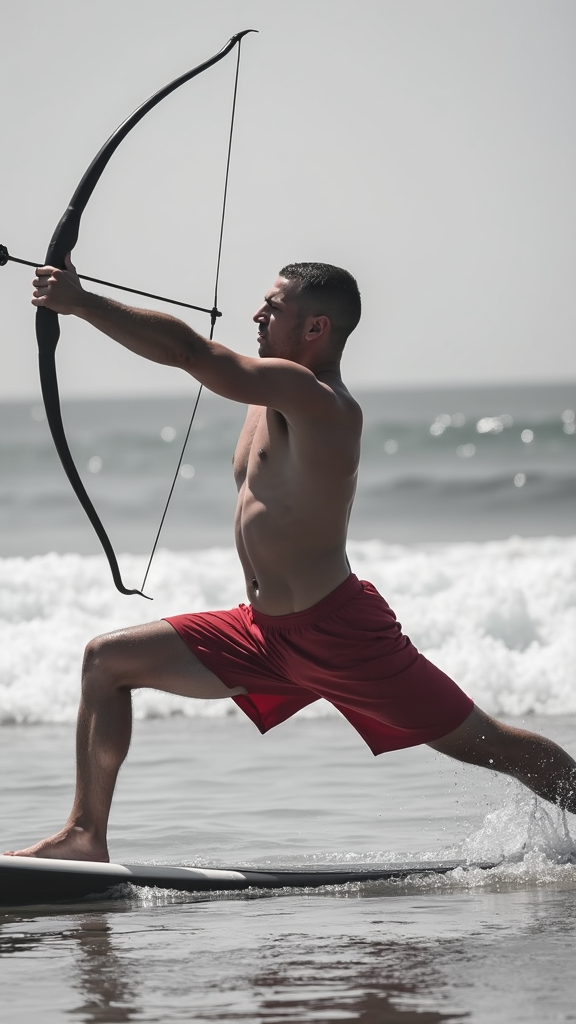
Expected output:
(311, 629)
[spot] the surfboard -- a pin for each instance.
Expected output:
(26, 880)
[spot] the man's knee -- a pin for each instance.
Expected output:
(102, 664)
(484, 741)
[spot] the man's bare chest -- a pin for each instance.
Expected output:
(262, 443)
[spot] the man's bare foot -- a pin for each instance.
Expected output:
(72, 843)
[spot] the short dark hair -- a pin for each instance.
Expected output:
(328, 291)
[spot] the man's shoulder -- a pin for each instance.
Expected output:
(331, 424)
(311, 399)
(343, 402)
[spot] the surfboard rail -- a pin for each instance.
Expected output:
(32, 880)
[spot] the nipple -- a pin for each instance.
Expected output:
(255, 584)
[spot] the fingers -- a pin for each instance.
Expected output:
(55, 288)
(42, 273)
(45, 277)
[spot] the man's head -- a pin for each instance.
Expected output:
(310, 305)
(327, 291)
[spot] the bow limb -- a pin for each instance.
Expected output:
(47, 324)
(49, 385)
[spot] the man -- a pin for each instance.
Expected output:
(312, 629)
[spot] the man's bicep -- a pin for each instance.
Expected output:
(276, 383)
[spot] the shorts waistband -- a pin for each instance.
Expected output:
(317, 612)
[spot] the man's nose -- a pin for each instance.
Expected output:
(259, 315)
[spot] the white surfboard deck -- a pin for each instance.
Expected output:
(27, 880)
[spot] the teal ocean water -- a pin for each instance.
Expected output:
(466, 521)
(471, 464)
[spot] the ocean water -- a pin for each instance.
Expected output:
(472, 464)
(466, 521)
(499, 616)
(473, 946)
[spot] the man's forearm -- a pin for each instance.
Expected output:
(156, 336)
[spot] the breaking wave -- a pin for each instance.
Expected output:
(499, 617)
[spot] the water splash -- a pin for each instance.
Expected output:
(523, 827)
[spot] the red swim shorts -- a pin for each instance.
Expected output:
(348, 648)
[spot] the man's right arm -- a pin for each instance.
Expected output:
(153, 335)
(277, 383)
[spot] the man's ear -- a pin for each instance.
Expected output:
(318, 328)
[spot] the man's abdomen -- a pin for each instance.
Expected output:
(290, 561)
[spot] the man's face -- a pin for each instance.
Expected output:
(280, 321)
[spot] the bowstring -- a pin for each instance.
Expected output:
(214, 314)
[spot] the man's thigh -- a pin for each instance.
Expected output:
(154, 656)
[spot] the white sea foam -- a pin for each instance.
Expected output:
(499, 617)
(527, 839)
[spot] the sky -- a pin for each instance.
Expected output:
(428, 146)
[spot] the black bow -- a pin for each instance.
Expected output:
(47, 325)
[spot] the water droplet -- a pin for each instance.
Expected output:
(95, 464)
(187, 471)
(391, 447)
(527, 436)
(519, 479)
(167, 434)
